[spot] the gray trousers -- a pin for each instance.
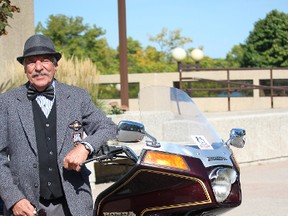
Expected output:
(57, 207)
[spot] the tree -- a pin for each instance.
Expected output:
(145, 60)
(235, 57)
(73, 38)
(6, 11)
(155, 61)
(267, 44)
(134, 53)
(168, 40)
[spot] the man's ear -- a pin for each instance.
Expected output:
(25, 71)
(56, 66)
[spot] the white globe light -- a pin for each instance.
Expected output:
(118, 87)
(178, 54)
(197, 54)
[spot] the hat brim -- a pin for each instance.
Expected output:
(57, 55)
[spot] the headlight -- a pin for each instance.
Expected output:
(221, 181)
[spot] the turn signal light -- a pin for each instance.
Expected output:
(166, 160)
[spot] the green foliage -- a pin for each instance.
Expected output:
(235, 57)
(168, 40)
(146, 60)
(208, 62)
(267, 44)
(6, 11)
(74, 38)
(112, 90)
(115, 109)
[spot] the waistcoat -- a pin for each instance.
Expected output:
(45, 128)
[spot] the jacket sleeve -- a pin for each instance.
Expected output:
(9, 191)
(97, 126)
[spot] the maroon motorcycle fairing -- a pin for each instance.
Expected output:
(152, 190)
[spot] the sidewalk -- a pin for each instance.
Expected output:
(264, 188)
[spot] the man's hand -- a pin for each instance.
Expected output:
(23, 208)
(75, 158)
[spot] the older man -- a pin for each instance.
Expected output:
(41, 139)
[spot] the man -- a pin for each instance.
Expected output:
(41, 139)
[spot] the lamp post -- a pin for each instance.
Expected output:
(179, 54)
(124, 93)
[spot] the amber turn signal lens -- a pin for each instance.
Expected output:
(164, 159)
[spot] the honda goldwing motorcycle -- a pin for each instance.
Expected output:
(183, 167)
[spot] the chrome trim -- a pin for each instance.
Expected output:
(237, 138)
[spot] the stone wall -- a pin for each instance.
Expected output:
(265, 129)
(21, 27)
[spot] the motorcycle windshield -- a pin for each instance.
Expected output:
(171, 116)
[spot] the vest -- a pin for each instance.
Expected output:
(45, 128)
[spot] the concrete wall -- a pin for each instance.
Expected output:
(266, 132)
(21, 27)
(210, 104)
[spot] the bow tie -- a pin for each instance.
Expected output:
(32, 93)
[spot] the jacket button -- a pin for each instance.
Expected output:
(34, 165)
(36, 185)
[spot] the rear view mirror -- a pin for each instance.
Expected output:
(129, 131)
(237, 137)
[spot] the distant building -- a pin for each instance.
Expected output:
(21, 27)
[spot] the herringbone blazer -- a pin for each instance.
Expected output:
(19, 175)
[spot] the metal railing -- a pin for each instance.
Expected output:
(240, 86)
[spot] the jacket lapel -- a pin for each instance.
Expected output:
(62, 102)
(26, 117)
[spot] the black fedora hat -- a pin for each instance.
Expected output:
(38, 45)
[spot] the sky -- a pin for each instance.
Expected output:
(215, 25)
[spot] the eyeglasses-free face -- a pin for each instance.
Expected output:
(40, 70)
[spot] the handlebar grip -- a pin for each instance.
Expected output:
(104, 152)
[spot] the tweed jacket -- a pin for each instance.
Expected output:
(19, 173)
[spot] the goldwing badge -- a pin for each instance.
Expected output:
(76, 134)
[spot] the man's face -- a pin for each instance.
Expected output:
(40, 70)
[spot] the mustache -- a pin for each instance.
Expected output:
(34, 73)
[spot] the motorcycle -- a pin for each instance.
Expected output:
(183, 167)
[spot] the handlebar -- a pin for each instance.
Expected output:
(110, 152)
